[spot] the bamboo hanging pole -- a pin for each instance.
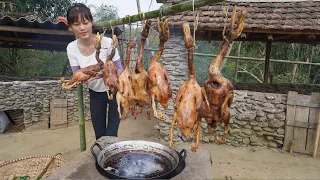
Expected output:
(185, 6)
(82, 128)
(81, 118)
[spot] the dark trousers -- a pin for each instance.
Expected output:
(98, 110)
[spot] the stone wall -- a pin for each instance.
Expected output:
(257, 119)
(34, 97)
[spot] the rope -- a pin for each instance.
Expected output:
(160, 14)
(225, 10)
(104, 31)
(112, 30)
(150, 5)
(195, 24)
(129, 37)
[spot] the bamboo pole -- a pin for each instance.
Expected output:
(82, 128)
(81, 118)
(316, 141)
(185, 6)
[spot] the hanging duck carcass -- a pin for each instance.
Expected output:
(189, 99)
(140, 77)
(159, 83)
(219, 89)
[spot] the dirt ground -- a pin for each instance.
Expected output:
(228, 162)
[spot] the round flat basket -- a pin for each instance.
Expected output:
(31, 166)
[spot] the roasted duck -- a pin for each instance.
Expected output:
(219, 89)
(189, 99)
(140, 77)
(110, 71)
(86, 74)
(159, 83)
(125, 94)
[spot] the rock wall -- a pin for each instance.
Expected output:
(257, 119)
(33, 97)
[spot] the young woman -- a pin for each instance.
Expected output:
(81, 53)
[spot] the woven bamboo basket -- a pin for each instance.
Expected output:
(31, 166)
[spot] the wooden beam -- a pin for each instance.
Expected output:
(256, 39)
(276, 31)
(250, 58)
(260, 37)
(36, 30)
(35, 47)
(3, 38)
(264, 31)
(184, 6)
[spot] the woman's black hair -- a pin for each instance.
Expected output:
(76, 10)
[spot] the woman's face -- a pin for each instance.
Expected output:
(82, 28)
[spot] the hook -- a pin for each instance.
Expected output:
(104, 31)
(111, 28)
(160, 14)
(143, 18)
(129, 19)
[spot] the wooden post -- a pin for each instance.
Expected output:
(237, 63)
(316, 141)
(267, 59)
(81, 118)
(293, 73)
(121, 44)
(310, 61)
(139, 9)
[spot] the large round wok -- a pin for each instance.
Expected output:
(138, 160)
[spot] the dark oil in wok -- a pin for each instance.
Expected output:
(138, 164)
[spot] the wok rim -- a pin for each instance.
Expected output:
(179, 159)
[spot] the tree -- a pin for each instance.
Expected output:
(104, 13)
(20, 62)
(35, 9)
